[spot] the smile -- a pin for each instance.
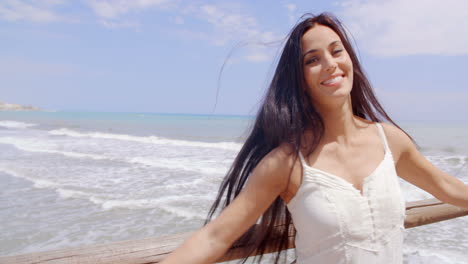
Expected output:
(333, 81)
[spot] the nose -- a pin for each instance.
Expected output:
(329, 63)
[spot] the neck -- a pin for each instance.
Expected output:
(340, 123)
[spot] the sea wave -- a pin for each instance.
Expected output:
(184, 164)
(455, 161)
(146, 139)
(15, 124)
(166, 203)
(29, 146)
(37, 183)
(170, 203)
(180, 164)
(68, 194)
(416, 255)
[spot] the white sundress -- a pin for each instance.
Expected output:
(335, 223)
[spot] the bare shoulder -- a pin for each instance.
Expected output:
(281, 157)
(399, 142)
(275, 167)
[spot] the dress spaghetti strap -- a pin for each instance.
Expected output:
(383, 137)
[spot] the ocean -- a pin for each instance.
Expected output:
(80, 178)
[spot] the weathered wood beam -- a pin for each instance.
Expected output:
(153, 250)
(431, 211)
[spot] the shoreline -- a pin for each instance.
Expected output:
(17, 107)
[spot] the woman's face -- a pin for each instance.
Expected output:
(328, 69)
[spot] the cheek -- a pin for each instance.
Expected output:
(351, 71)
(311, 76)
(349, 63)
(311, 79)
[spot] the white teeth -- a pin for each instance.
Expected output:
(334, 80)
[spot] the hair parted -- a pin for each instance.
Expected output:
(285, 113)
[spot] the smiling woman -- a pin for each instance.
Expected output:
(320, 156)
(328, 69)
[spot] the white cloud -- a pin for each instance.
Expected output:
(189, 34)
(228, 24)
(233, 24)
(270, 36)
(112, 9)
(34, 11)
(290, 7)
(401, 27)
(258, 57)
(54, 2)
(113, 14)
(120, 24)
(225, 23)
(291, 13)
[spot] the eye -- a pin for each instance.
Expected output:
(336, 52)
(311, 60)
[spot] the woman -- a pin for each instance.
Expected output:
(318, 155)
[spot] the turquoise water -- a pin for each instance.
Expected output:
(197, 127)
(81, 178)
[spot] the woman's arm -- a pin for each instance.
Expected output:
(413, 167)
(267, 181)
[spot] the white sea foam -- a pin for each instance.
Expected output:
(38, 183)
(31, 145)
(452, 161)
(66, 193)
(412, 193)
(185, 164)
(41, 183)
(108, 204)
(166, 203)
(422, 256)
(180, 164)
(148, 139)
(183, 212)
(25, 147)
(11, 172)
(15, 124)
(176, 186)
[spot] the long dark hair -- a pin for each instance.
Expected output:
(284, 115)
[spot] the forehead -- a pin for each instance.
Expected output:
(318, 37)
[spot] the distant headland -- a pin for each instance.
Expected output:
(17, 107)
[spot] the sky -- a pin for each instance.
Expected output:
(167, 56)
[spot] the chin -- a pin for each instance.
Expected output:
(344, 90)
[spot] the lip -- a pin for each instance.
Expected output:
(331, 77)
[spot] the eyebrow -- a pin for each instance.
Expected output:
(314, 50)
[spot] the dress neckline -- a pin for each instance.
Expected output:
(365, 180)
(333, 176)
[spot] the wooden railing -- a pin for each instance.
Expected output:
(153, 250)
